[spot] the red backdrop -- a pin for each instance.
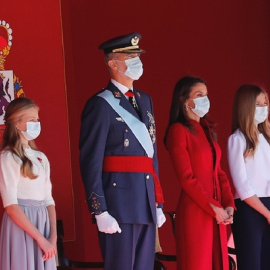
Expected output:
(225, 43)
(36, 57)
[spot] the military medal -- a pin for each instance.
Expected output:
(152, 127)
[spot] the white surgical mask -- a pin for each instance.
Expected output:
(261, 113)
(134, 68)
(202, 105)
(32, 130)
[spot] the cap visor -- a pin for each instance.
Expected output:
(132, 51)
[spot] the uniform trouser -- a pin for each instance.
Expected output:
(132, 249)
(251, 233)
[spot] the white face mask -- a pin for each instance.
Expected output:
(261, 113)
(202, 105)
(32, 130)
(134, 68)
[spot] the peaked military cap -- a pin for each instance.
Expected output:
(123, 44)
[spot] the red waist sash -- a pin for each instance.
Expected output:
(140, 164)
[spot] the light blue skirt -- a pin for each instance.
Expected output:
(18, 250)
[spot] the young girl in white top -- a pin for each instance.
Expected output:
(249, 161)
(28, 232)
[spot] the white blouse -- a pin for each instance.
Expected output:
(14, 186)
(250, 175)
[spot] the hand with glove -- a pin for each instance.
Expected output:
(107, 224)
(160, 217)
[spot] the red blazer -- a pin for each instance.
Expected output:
(199, 239)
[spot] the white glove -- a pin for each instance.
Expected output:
(107, 224)
(160, 217)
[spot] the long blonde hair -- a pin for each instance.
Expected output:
(11, 138)
(243, 116)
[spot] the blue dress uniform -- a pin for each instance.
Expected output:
(128, 195)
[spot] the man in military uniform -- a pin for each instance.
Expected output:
(118, 161)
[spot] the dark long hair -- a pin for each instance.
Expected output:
(243, 116)
(11, 138)
(181, 93)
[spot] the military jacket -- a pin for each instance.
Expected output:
(127, 196)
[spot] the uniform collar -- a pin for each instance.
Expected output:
(120, 86)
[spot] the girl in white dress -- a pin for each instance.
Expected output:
(28, 232)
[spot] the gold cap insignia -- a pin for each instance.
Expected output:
(135, 41)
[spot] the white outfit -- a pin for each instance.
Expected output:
(250, 175)
(18, 251)
(14, 186)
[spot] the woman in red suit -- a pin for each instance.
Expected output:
(206, 203)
